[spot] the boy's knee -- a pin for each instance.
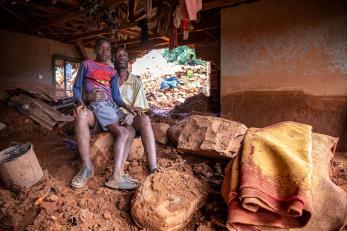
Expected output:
(82, 117)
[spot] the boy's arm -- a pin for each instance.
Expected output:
(78, 85)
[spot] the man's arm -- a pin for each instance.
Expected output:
(140, 100)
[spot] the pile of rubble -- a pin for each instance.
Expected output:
(41, 108)
(167, 91)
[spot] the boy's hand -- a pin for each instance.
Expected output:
(128, 119)
(96, 96)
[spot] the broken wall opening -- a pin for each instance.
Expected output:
(171, 77)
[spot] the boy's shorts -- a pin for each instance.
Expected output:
(106, 113)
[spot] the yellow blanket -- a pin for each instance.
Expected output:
(268, 184)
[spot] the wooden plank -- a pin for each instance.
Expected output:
(89, 34)
(79, 46)
(62, 18)
(138, 40)
(14, 14)
(220, 3)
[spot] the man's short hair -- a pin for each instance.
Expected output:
(100, 41)
(120, 49)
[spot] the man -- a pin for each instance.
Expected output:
(133, 95)
(98, 79)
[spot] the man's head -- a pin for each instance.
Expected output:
(121, 58)
(103, 49)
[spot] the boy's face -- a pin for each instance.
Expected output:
(121, 59)
(103, 51)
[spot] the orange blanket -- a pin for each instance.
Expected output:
(268, 184)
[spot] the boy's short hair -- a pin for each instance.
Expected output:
(100, 41)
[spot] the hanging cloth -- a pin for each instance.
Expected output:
(190, 8)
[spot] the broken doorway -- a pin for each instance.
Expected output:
(172, 77)
(65, 72)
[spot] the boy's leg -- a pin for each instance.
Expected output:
(121, 135)
(142, 124)
(83, 121)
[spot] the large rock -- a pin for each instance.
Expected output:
(208, 136)
(102, 150)
(160, 132)
(167, 200)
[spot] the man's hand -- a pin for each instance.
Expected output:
(128, 119)
(96, 96)
(138, 111)
(80, 107)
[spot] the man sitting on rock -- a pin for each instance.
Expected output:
(133, 95)
(99, 82)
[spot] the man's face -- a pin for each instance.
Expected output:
(103, 51)
(121, 59)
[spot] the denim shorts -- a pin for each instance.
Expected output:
(106, 113)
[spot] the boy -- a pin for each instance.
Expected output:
(98, 75)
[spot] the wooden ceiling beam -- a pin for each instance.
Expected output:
(88, 34)
(220, 4)
(80, 48)
(62, 18)
(138, 40)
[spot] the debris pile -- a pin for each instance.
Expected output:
(167, 91)
(40, 107)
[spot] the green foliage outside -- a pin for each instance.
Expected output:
(182, 55)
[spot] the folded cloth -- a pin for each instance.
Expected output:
(269, 182)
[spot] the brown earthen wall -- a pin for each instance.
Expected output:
(286, 60)
(24, 58)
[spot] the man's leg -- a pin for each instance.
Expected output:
(83, 121)
(130, 139)
(142, 124)
(122, 140)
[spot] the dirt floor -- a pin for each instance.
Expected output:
(52, 204)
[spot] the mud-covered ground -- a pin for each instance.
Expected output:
(52, 204)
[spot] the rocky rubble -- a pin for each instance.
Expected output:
(208, 136)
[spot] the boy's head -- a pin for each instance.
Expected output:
(103, 49)
(121, 58)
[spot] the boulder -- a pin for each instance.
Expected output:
(208, 136)
(160, 132)
(102, 147)
(167, 200)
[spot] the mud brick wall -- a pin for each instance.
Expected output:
(286, 60)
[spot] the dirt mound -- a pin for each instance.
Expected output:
(167, 200)
(198, 103)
